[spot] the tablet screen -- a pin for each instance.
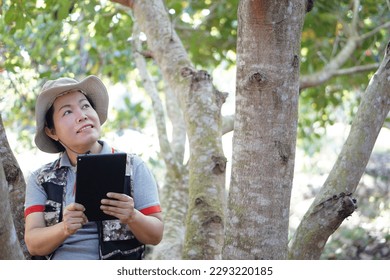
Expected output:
(98, 174)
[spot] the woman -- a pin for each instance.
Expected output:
(69, 115)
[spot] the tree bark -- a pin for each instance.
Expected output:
(334, 202)
(10, 246)
(207, 165)
(206, 168)
(16, 186)
(265, 128)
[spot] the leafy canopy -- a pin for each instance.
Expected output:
(42, 39)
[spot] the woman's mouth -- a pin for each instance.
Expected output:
(84, 128)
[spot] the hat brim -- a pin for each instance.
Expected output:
(91, 86)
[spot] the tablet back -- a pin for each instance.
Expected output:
(98, 174)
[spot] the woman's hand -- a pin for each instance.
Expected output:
(74, 218)
(120, 206)
(148, 229)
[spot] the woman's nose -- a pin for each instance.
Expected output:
(81, 117)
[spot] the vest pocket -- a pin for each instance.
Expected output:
(113, 230)
(52, 212)
(117, 242)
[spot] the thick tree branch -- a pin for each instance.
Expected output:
(172, 154)
(10, 247)
(170, 55)
(16, 185)
(158, 110)
(319, 222)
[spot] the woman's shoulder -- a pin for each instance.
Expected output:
(47, 166)
(48, 171)
(133, 159)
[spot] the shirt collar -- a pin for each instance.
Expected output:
(65, 161)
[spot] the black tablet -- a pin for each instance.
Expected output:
(98, 174)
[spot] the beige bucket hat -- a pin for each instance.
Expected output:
(91, 86)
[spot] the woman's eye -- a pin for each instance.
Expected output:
(67, 112)
(85, 106)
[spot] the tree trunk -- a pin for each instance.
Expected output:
(10, 246)
(174, 194)
(194, 90)
(265, 128)
(205, 218)
(334, 202)
(16, 186)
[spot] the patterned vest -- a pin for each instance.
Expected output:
(116, 241)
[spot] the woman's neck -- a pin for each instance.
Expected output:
(94, 149)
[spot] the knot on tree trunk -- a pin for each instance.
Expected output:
(219, 164)
(332, 211)
(388, 49)
(348, 206)
(283, 150)
(309, 5)
(214, 219)
(295, 62)
(197, 75)
(12, 173)
(258, 78)
(220, 97)
(201, 75)
(387, 53)
(187, 71)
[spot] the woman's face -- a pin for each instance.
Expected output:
(76, 123)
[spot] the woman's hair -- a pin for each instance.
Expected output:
(50, 122)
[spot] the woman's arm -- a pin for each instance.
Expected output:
(148, 229)
(42, 240)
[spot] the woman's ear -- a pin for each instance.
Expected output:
(51, 132)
